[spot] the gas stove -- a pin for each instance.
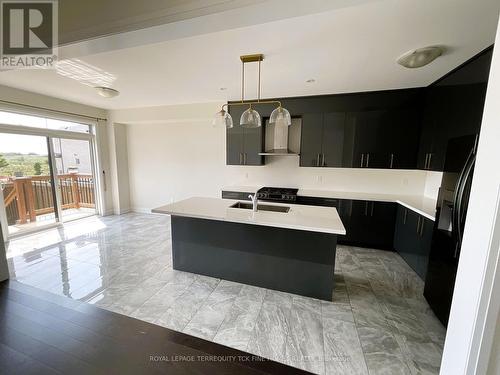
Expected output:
(276, 194)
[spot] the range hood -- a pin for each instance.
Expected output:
(282, 140)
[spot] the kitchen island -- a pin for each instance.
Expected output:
(284, 247)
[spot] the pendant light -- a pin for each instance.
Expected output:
(223, 118)
(250, 118)
(280, 116)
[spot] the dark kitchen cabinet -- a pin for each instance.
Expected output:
(322, 139)
(368, 223)
(332, 148)
(384, 138)
(367, 142)
(401, 140)
(433, 138)
(453, 107)
(311, 139)
(243, 144)
(317, 201)
(412, 239)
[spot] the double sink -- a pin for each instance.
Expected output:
(261, 207)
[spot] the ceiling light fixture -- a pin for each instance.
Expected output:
(251, 118)
(311, 80)
(420, 57)
(107, 92)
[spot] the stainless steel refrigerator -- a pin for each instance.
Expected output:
(448, 232)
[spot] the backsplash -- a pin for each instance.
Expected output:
(285, 171)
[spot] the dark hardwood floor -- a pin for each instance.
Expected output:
(42, 333)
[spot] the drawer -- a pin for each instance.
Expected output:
(317, 201)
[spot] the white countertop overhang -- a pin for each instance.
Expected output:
(300, 217)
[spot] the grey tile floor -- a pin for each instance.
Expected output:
(377, 323)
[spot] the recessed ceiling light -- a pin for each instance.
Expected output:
(420, 57)
(311, 80)
(107, 92)
(223, 89)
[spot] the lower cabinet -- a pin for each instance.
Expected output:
(412, 239)
(368, 223)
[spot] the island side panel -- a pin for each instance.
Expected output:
(294, 261)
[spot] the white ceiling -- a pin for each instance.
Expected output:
(345, 49)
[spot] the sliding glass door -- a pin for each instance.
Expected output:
(75, 177)
(27, 183)
(47, 172)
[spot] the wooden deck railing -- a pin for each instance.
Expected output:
(28, 197)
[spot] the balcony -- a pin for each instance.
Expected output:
(29, 201)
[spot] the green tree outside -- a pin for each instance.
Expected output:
(38, 168)
(3, 162)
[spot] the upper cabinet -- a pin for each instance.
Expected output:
(373, 130)
(393, 129)
(453, 107)
(243, 144)
(322, 141)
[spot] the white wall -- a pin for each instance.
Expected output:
(476, 302)
(174, 153)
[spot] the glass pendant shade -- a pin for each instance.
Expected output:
(223, 118)
(250, 119)
(280, 116)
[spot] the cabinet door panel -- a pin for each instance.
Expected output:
(368, 150)
(409, 246)
(252, 145)
(360, 229)
(311, 139)
(234, 145)
(333, 139)
(400, 228)
(383, 217)
(425, 240)
(402, 131)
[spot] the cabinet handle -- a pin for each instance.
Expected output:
(245, 158)
(426, 160)
(366, 208)
(430, 160)
(418, 224)
(362, 160)
(422, 227)
(392, 161)
(373, 205)
(317, 160)
(241, 158)
(405, 216)
(322, 160)
(367, 159)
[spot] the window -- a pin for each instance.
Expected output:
(10, 118)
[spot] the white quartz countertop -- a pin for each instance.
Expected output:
(300, 217)
(420, 204)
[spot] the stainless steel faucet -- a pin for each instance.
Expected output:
(254, 200)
